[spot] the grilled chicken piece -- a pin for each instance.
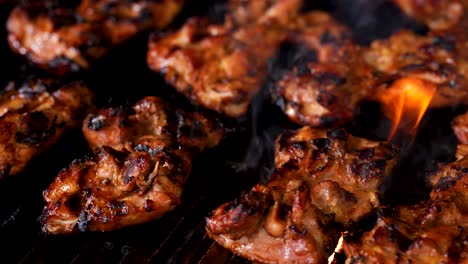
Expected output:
(439, 59)
(63, 36)
(460, 127)
(143, 157)
(223, 67)
(435, 231)
(209, 65)
(323, 181)
(34, 115)
(437, 14)
(328, 44)
(220, 67)
(326, 93)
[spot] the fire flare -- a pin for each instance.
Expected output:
(339, 247)
(406, 102)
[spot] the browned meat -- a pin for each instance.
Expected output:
(323, 182)
(328, 43)
(143, 157)
(33, 116)
(460, 127)
(326, 93)
(209, 66)
(439, 58)
(437, 14)
(435, 231)
(67, 36)
(216, 66)
(223, 67)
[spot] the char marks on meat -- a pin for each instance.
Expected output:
(143, 156)
(65, 36)
(439, 57)
(327, 93)
(222, 67)
(434, 231)
(34, 115)
(323, 182)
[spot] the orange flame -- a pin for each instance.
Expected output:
(406, 102)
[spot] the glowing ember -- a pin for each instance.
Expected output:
(338, 248)
(406, 102)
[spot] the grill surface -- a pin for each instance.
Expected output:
(218, 175)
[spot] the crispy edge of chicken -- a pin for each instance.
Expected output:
(434, 231)
(317, 90)
(222, 67)
(199, 60)
(323, 181)
(67, 39)
(439, 59)
(143, 158)
(327, 93)
(213, 67)
(34, 116)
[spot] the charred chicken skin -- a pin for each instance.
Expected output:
(323, 182)
(439, 59)
(211, 66)
(142, 158)
(33, 117)
(312, 93)
(65, 36)
(242, 12)
(435, 231)
(326, 93)
(222, 67)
